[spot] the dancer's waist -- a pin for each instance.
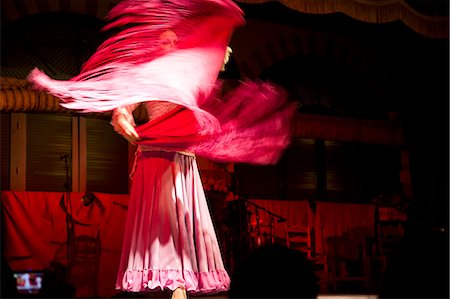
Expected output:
(151, 148)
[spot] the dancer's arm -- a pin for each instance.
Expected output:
(123, 122)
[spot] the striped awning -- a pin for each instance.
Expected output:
(16, 95)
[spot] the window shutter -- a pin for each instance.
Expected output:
(340, 166)
(5, 141)
(300, 169)
(49, 136)
(378, 169)
(107, 158)
(358, 172)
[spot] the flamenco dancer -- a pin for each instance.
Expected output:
(167, 55)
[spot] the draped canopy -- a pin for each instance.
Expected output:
(376, 11)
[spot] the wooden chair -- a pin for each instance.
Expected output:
(390, 224)
(299, 238)
(390, 235)
(84, 263)
(302, 238)
(348, 263)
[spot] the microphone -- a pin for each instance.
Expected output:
(63, 157)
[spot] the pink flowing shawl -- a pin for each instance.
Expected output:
(252, 124)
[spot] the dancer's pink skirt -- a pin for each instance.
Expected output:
(169, 237)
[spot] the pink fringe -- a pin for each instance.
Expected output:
(139, 43)
(255, 121)
(196, 283)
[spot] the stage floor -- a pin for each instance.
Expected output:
(225, 296)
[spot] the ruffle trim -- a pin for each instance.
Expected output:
(195, 283)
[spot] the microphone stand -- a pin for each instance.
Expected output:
(272, 217)
(68, 207)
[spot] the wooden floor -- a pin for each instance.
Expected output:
(319, 297)
(225, 296)
(342, 296)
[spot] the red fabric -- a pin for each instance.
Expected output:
(130, 67)
(196, 23)
(31, 227)
(175, 130)
(169, 237)
(338, 219)
(35, 230)
(252, 124)
(255, 127)
(330, 219)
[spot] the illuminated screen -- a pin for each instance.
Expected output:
(28, 282)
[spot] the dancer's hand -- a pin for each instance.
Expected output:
(123, 123)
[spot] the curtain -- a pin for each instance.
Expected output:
(35, 230)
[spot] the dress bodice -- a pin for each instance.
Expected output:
(158, 108)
